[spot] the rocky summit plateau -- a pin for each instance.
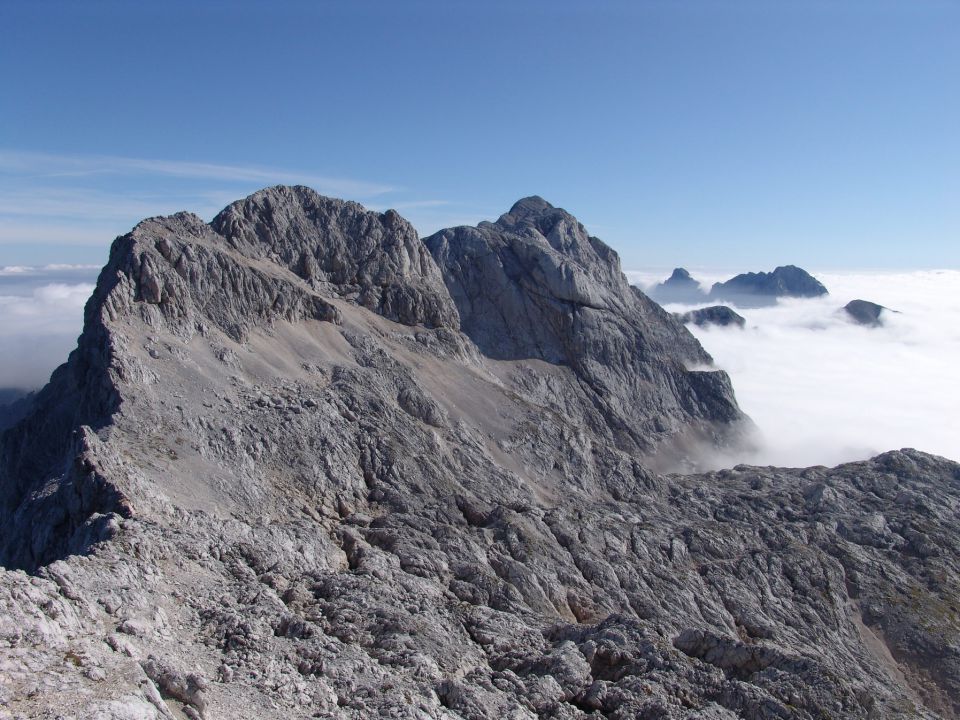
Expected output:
(304, 463)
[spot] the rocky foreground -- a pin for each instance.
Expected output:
(305, 464)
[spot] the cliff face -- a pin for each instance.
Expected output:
(535, 285)
(303, 464)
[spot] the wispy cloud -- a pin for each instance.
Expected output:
(42, 165)
(19, 271)
(78, 203)
(55, 201)
(411, 205)
(43, 231)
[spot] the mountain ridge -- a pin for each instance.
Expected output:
(280, 477)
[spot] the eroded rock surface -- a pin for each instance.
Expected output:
(255, 491)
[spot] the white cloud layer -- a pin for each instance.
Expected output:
(41, 315)
(823, 390)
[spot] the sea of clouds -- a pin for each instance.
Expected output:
(824, 390)
(41, 315)
(821, 389)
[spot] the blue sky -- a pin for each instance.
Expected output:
(735, 135)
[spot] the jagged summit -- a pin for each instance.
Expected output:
(341, 246)
(680, 287)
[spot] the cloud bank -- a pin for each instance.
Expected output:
(41, 315)
(823, 390)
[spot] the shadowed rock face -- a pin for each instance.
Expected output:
(678, 288)
(719, 315)
(253, 491)
(755, 289)
(535, 285)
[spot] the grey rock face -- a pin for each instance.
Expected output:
(374, 258)
(864, 312)
(535, 286)
(755, 289)
(181, 276)
(714, 315)
(678, 288)
(248, 496)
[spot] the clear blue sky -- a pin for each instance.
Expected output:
(730, 134)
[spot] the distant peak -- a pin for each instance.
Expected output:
(680, 274)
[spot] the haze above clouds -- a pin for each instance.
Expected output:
(823, 390)
(41, 315)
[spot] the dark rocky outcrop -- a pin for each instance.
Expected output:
(680, 287)
(757, 289)
(719, 315)
(375, 484)
(864, 312)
